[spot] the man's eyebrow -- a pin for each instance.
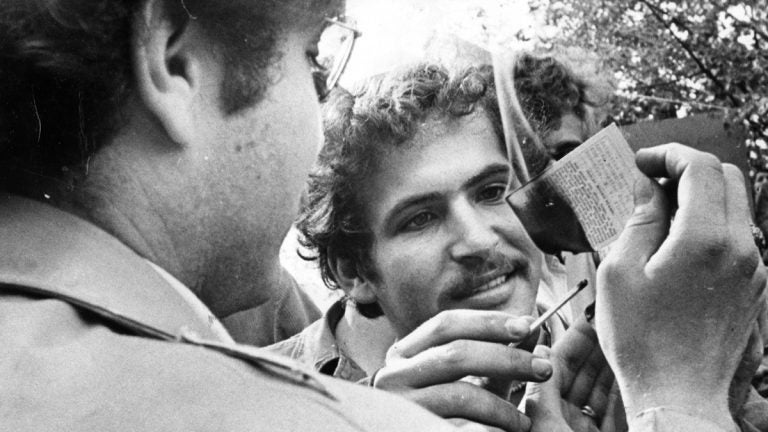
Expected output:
(489, 171)
(410, 202)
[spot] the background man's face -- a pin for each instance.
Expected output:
(443, 236)
(571, 133)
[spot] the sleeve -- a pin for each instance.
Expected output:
(669, 419)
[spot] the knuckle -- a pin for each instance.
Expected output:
(747, 262)
(453, 354)
(710, 248)
(443, 323)
(715, 249)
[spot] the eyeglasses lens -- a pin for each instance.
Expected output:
(334, 50)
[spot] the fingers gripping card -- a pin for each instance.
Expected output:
(582, 202)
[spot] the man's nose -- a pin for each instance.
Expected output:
(474, 235)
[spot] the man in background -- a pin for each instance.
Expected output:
(564, 107)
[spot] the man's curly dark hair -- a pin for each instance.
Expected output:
(547, 89)
(384, 112)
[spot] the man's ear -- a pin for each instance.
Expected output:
(167, 67)
(355, 286)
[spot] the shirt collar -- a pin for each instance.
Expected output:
(52, 253)
(320, 343)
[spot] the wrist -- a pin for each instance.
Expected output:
(680, 419)
(677, 398)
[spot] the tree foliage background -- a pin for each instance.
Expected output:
(672, 59)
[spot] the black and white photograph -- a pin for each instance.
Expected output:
(399, 215)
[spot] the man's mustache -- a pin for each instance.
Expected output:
(492, 266)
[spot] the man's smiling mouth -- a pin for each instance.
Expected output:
(478, 286)
(492, 284)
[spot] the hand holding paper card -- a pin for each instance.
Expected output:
(582, 202)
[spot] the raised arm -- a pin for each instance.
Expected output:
(677, 297)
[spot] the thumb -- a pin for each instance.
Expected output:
(543, 401)
(648, 225)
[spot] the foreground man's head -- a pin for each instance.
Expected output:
(179, 127)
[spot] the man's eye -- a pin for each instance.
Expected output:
(419, 221)
(560, 150)
(492, 193)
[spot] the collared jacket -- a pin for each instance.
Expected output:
(94, 338)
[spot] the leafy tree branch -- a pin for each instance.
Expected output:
(657, 13)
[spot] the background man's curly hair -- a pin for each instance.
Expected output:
(547, 89)
(65, 70)
(360, 126)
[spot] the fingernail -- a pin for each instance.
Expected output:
(542, 368)
(541, 351)
(643, 190)
(519, 327)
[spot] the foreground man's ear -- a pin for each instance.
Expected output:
(355, 286)
(167, 66)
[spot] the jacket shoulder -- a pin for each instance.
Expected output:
(65, 370)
